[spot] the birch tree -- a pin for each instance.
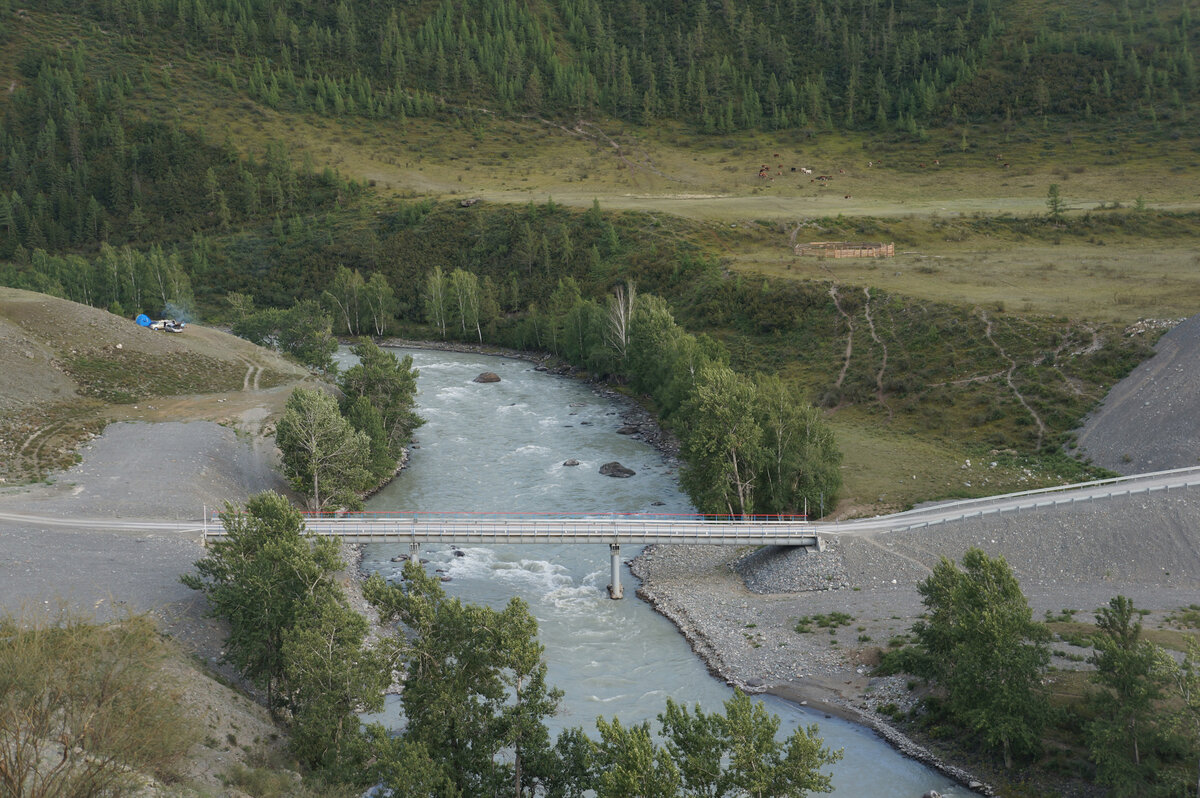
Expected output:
(378, 299)
(620, 311)
(324, 458)
(464, 294)
(344, 297)
(800, 458)
(722, 443)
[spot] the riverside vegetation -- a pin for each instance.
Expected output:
(1134, 730)
(473, 686)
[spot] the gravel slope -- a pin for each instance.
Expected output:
(1150, 421)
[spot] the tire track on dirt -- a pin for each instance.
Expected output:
(883, 346)
(1008, 376)
(849, 335)
(892, 551)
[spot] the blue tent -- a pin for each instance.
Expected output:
(143, 320)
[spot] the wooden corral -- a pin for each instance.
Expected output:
(846, 249)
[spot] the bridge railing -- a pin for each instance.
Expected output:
(434, 516)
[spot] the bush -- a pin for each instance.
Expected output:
(85, 708)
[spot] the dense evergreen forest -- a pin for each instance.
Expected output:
(720, 66)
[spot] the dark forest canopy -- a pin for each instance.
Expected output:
(719, 66)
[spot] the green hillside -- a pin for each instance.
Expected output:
(160, 154)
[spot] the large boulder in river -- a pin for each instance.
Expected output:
(487, 376)
(615, 469)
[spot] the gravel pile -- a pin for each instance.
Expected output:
(1150, 421)
(793, 569)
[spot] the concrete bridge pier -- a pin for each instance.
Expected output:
(614, 579)
(414, 551)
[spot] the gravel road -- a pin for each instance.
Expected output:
(134, 471)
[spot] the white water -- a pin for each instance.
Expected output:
(499, 448)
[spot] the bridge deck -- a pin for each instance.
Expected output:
(630, 530)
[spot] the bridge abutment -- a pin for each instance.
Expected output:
(614, 579)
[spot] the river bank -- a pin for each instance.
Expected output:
(749, 641)
(815, 678)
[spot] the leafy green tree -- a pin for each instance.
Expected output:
(437, 309)
(363, 417)
(800, 457)
(259, 327)
(1128, 724)
(979, 642)
(735, 754)
(722, 443)
(305, 333)
(329, 677)
(1187, 683)
(324, 457)
(345, 297)
(378, 301)
(464, 303)
(759, 765)
(475, 694)
(630, 765)
(240, 306)
(405, 769)
(259, 579)
(390, 385)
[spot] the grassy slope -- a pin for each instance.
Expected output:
(930, 210)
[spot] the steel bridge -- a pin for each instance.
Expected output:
(614, 529)
(639, 529)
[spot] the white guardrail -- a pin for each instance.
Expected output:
(633, 529)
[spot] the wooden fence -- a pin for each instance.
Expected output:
(846, 249)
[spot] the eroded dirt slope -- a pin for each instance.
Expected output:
(68, 369)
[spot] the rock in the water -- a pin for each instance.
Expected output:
(657, 504)
(615, 469)
(459, 553)
(571, 462)
(628, 429)
(487, 376)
